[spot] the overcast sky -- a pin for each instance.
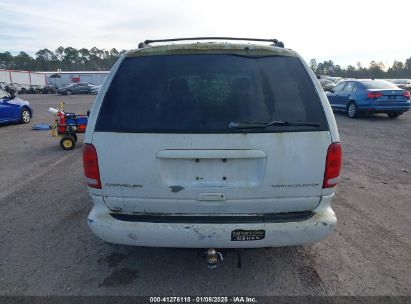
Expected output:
(345, 31)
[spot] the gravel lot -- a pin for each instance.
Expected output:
(46, 247)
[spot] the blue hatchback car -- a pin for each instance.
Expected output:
(13, 109)
(359, 96)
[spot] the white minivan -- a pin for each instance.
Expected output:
(211, 145)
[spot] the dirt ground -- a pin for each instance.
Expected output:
(46, 247)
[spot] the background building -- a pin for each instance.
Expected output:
(61, 79)
(22, 78)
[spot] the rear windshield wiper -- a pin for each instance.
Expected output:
(263, 125)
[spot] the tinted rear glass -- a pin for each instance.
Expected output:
(379, 84)
(204, 93)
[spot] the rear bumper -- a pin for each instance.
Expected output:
(210, 235)
(397, 107)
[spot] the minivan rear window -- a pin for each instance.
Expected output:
(204, 93)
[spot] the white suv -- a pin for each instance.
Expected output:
(211, 145)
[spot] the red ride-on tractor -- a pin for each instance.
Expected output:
(66, 126)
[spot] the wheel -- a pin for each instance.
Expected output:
(25, 116)
(393, 115)
(352, 110)
(68, 92)
(68, 142)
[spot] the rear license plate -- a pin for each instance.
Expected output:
(247, 235)
(391, 97)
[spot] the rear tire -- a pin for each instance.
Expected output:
(352, 110)
(68, 143)
(25, 116)
(393, 115)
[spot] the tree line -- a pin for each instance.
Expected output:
(95, 59)
(374, 70)
(66, 59)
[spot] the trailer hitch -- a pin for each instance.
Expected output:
(213, 257)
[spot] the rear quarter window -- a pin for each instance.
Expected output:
(204, 93)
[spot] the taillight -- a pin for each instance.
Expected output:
(374, 95)
(406, 94)
(90, 165)
(332, 165)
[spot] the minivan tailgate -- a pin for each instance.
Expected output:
(212, 173)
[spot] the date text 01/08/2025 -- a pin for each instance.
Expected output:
(202, 299)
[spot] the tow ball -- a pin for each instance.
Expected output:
(213, 257)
